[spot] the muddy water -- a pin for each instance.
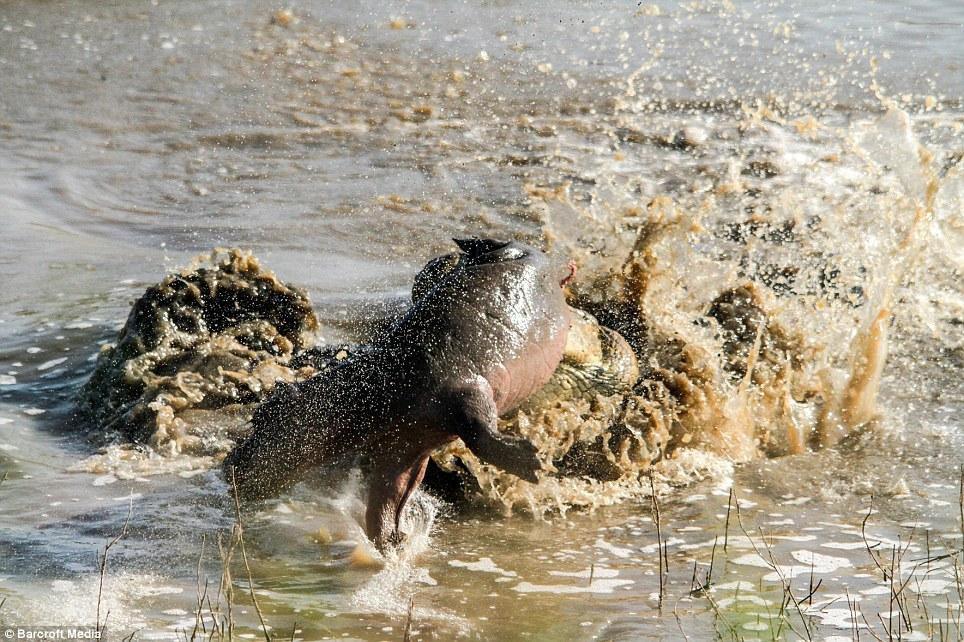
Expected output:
(817, 155)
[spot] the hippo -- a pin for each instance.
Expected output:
(487, 328)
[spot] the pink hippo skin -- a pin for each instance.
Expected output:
(485, 335)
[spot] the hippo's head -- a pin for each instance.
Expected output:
(479, 251)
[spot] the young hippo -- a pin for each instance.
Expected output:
(486, 330)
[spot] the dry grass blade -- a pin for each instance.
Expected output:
(408, 620)
(201, 595)
(226, 587)
(789, 597)
(244, 555)
(732, 630)
(867, 545)
(661, 546)
(103, 566)
(726, 527)
(698, 586)
(852, 608)
(960, 499)
(679, 621)
(870, 629)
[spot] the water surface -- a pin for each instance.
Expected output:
(345, 146)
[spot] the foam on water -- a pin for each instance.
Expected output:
(833, 303)
(74, 601)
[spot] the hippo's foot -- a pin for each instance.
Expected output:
(476, 421)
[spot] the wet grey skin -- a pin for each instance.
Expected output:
(481, 336)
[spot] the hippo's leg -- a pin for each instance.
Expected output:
(475, 419)
(390, 486)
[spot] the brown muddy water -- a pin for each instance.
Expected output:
(685, 148)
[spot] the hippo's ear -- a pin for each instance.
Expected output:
(476, 246)
(480, 251)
